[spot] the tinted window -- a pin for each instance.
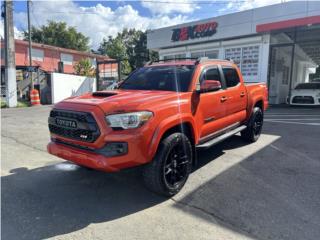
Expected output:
(231, 77)
(165, 78)
(211, 74)
(308, 86)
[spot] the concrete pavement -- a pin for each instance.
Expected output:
(266, 190)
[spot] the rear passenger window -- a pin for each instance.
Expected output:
(231, 76)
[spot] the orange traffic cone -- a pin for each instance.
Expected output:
(34, 96)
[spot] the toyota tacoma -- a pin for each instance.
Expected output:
(157, 118)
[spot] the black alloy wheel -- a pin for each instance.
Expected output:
(176, 166)
(254, 126)
(170, 168)
(257, 123)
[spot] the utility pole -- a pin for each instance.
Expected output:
(10, 61)
(30, 46)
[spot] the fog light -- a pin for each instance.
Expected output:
(114, 149)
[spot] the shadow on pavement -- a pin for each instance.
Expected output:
(62, 198)
(272, 194)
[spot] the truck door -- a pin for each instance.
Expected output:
(235, 95)
(211, 110)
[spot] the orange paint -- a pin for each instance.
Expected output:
(204, 113)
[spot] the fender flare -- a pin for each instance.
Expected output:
(251, 106)
(167, 124)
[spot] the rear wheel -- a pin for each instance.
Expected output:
(254, 126)
(170, 169)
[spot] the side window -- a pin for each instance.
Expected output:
(211, 74)
(231, 76)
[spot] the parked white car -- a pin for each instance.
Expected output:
(306, 94)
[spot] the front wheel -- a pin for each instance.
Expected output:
(170, 169)
(254, 126)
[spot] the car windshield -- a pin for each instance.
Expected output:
(163, 78)
(308, 86)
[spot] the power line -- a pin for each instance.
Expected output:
(33, 14)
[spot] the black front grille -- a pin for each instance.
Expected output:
(303, 100)
(86, 128)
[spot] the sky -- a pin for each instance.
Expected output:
(100, 19)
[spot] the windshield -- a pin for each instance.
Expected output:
(308, 86)
(163, 78)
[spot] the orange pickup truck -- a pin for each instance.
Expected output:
(157, 118)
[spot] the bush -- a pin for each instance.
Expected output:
(21, 103)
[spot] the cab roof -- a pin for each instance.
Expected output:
(187, 61)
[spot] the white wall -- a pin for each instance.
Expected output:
(263, 41)
(66, 85)
(236, 25)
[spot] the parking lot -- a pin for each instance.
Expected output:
(266, 190)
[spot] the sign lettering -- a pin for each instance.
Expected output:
(194, 32)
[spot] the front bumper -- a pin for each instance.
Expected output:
(89, 153)
(94, 159)
(305, 100)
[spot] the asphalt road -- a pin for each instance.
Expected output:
(266, 190)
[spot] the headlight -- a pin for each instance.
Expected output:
(128, 120)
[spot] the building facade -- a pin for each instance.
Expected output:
(47, 59)
(277, 44)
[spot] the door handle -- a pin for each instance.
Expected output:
(223, 99)
(242, 94)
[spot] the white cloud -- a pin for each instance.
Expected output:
(233, 6)
(17, 34)
(95, 22)
(1, 29)
(167, 6)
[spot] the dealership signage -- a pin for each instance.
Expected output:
(194, 32)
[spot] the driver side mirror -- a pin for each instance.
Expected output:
(209, 86)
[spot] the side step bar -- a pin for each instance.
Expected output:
(221, 137)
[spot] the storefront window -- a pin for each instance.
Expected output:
(212, 54)
(167, 57)
(234, 54)
(177, 56)
(282, 37)
(250, 61)
(247, 59)
(197, 54)
(294, 60)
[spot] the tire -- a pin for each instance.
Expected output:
(170, 168)
(254, 126)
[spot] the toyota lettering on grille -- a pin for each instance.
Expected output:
(66, 123)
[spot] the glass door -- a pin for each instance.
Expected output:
(280, 70)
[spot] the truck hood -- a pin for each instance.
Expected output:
(127, 100)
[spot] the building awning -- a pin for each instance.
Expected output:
(288, 24)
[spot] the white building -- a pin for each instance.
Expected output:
(277, 44)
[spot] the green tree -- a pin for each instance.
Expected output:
(116, 49)
(84, 68)
(130, 46)
(60, 35)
